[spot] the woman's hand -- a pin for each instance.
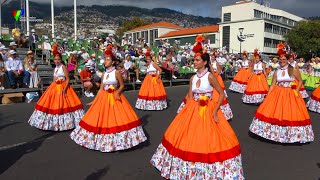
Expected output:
(215, 116)
(116, 96)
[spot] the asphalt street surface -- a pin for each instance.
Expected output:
(27, 153)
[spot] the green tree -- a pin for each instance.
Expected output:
(131, 24)
(305, 38)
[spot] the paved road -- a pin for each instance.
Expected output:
(27, 153)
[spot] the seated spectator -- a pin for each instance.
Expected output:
(130, 67)
(86, 79)
(31, 67)
(24, 43)
(84, 55)
(2, 73)
(15, 69)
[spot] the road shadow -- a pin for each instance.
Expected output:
(11, 155)
(10, 124)
(98, 174)
(254, 136)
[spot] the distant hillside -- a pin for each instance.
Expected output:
(118, 13)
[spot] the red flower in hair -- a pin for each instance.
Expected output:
(280, 46)
(197, 48)
(199, 39)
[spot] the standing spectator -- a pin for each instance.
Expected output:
(2, 73)
(86, 79)
(33, 40)
(46, 48)
(221, 60)
(72, 62)
(31, 67)
(15, 68)
(129, 66)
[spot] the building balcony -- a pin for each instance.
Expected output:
(274, 36)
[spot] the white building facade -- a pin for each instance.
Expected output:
(151, 32)
(248, 25)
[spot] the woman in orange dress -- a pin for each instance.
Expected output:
(59, 108)
(152, 95)
(257, 87)
(200, 143)
(240, 80)
(110, 123)
(314, 102)
(283, 116)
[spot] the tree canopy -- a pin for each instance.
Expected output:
(304, 39)
(131, 24)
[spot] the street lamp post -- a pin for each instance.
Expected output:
(240, 39)
(75, 20)
(52, 19)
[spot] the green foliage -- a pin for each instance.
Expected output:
(305, 38)
(131, 24)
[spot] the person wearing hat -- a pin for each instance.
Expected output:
(86, 79)
(13, 46)
(14, 68)
(33, 40)
(3, 53)
(31, 67)
(84, 55)
(95, 44)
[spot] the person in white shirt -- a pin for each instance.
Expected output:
(129, 66)
(221, 60)
(46, 48)
(84, 55)
(14, 68)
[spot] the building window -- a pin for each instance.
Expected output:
(226, 37)
(146, 36)
(151, 37)
(267, 27)
(226, 17)
(134, 38)
(156, 33)
(267, 42)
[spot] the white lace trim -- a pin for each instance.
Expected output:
(253, 99)
(108, 142)
(151, 105)
(304, 94)
(56, 122)
(313, 105)
(282, 134)
(172, 167)
(237, 87)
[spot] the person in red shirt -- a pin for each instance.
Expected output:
(86, 79)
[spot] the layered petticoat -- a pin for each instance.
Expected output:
(240, 80)
(109, 142)
(152, 95)
(56, 112)
(109, 125)
(172, 167)
(283, 117)
(56, 122)
(237, 87)
(314, 102)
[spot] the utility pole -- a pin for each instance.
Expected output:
(52, 19)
